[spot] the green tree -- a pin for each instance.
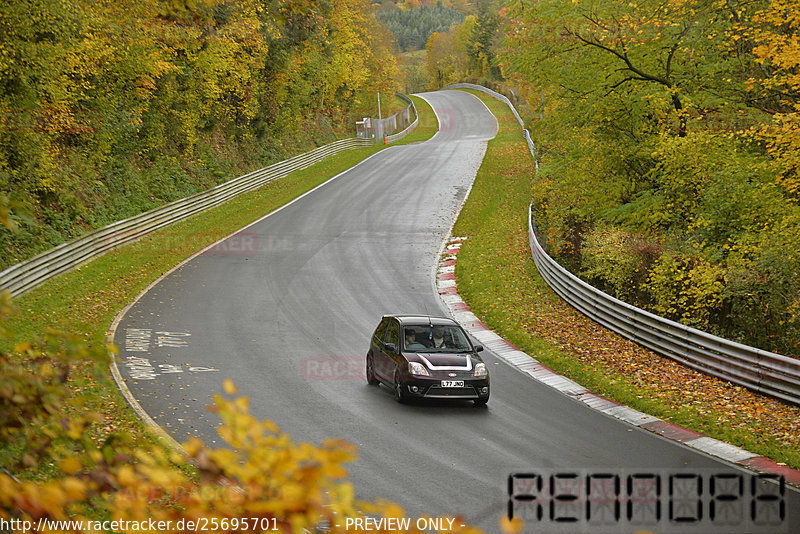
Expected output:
(481, 46)
(672, 122)
(448, 54)
(108, 109)
(413, 25)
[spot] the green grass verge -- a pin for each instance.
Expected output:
(85, 301)
(497, 278)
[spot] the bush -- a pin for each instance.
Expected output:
(687, 290)
(763, 290)
(618, 261)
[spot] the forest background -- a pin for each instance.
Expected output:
(668, 136)
(667, 131)
(111, 108)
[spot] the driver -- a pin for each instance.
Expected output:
(438, 341)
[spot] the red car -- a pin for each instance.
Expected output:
(422, 357)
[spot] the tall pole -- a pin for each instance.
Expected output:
(380, 119)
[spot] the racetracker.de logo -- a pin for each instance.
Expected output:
(237, 244)
(240, 244)
(333, 368)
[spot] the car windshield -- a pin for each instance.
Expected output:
(437, 338)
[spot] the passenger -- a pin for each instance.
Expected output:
(411, 340)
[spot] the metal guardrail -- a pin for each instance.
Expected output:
(411, 127)
(27, 275)
(380, 129)
(765, 372)
(756, 369)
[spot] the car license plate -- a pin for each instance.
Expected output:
(452, 383)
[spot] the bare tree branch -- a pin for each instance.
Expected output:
(641, 75)
(624, 57)
(614, 87)
(674, 48)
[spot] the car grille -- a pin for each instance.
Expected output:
(465, 392)
(460, 375)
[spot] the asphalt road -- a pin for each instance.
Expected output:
(286, 308)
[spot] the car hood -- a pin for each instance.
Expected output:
(445, 361)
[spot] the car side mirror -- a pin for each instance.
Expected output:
(390, 347)
(478, 348)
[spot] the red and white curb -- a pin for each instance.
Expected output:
(446, 287)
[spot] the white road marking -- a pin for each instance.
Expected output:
(137, 339)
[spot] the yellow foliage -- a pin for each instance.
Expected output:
(71, 466)
(229, 387)
(778, 49)
(688, 290)
(447, 54)
(265, 479)
(510, 526)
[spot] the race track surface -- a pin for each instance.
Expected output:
(286, 308)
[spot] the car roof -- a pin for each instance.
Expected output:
(410, 319)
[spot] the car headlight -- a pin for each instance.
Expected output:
(480, 370)
(417, 369)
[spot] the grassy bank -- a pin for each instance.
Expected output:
(85, 301)
(498, 279)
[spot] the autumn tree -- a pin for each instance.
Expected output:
(774, 35)
(448, 54)
(482, 37)
(666, 134)
(108, 109)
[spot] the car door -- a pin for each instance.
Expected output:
(376, 344)
(384, 366)
(378, 335)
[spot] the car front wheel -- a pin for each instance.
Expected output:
(399, 392)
